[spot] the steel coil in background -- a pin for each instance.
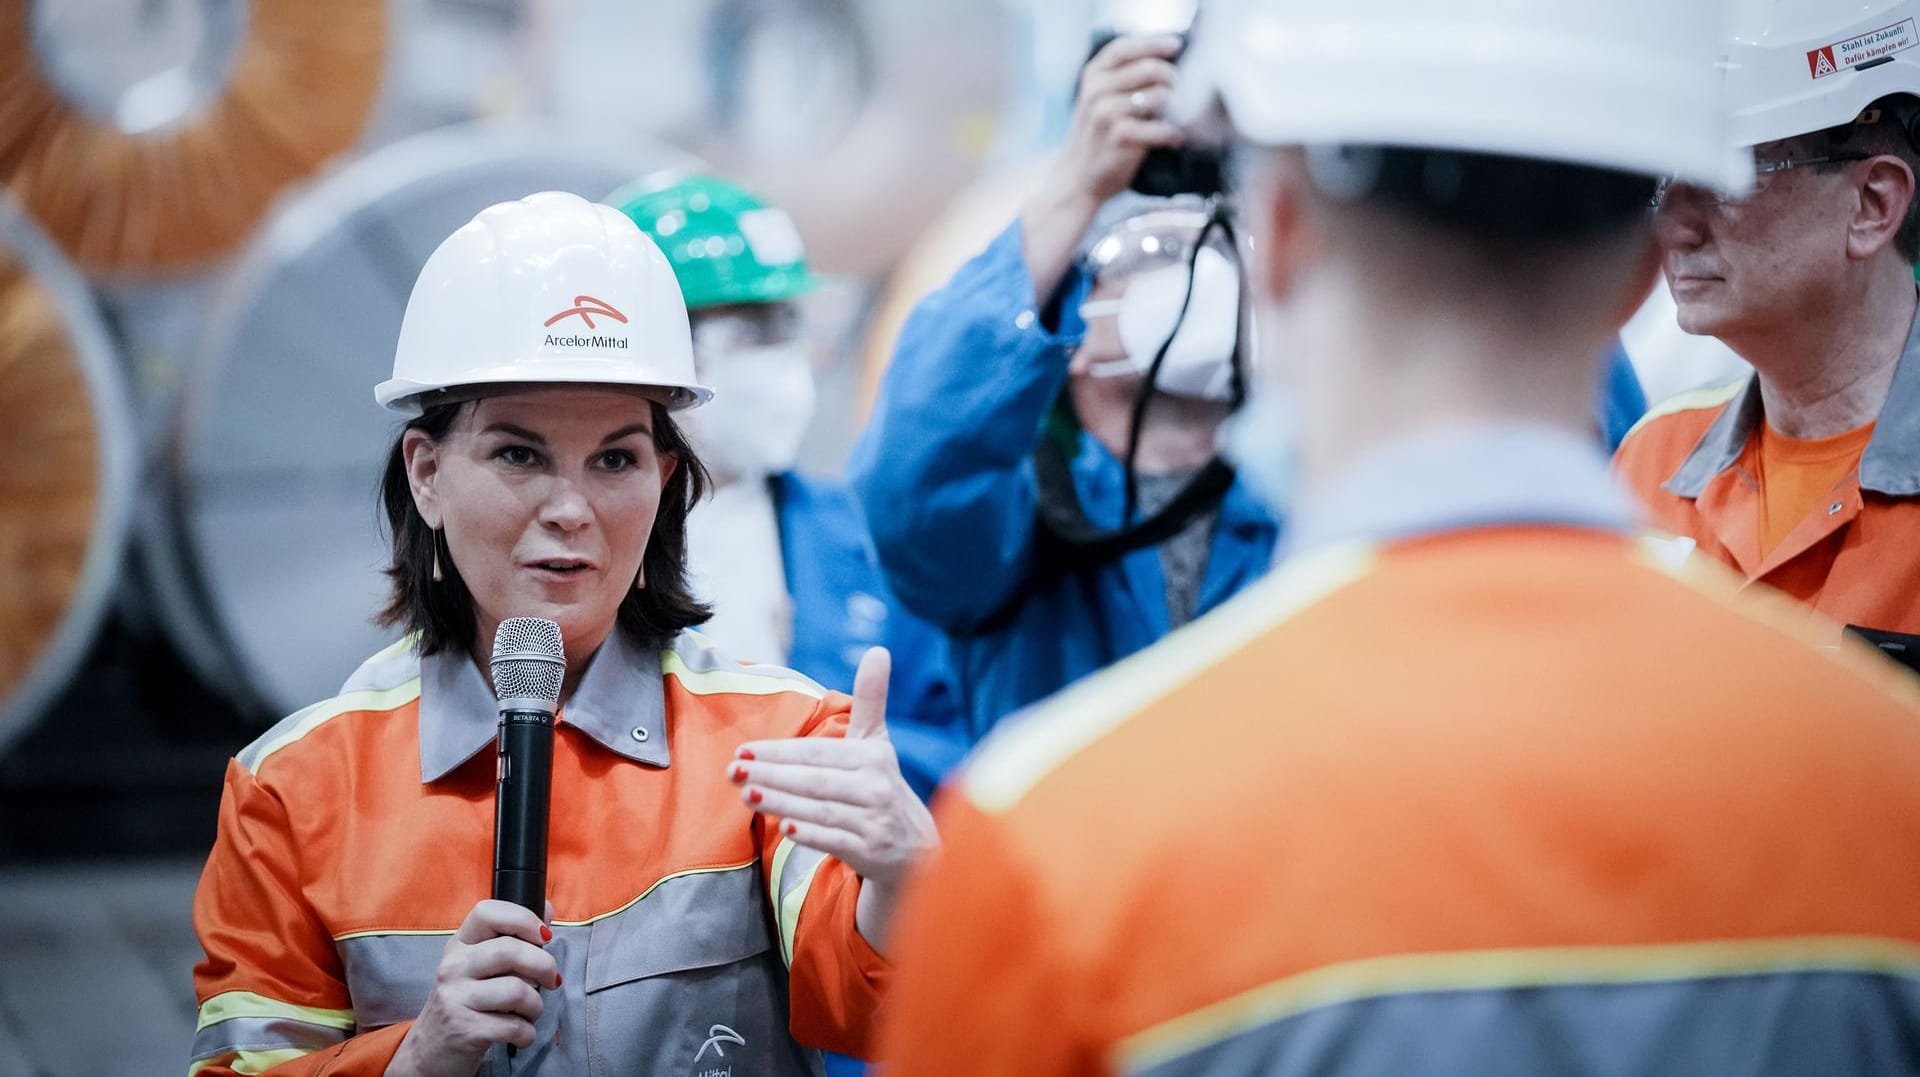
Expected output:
(859, 117)
(264, 547)
(67, 488)
(177, 169)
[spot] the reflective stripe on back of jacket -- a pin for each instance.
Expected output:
(1477, 785)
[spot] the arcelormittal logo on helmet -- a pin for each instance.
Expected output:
(587, 308)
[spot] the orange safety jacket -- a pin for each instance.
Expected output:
(1855, 558)
(1475, 789)
(356, 835)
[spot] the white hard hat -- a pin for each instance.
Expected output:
(551, 288)
(1631, 85)
(1799, 66)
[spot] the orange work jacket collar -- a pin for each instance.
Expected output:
(620, 702)
(1890, 465)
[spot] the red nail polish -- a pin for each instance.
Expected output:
(789, 828)
(746, 753)
(546, 933)
(754, 797)
(557, 981)
(739, 774)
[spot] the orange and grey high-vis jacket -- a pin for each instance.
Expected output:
(1481, 788)
(1855, 558)
(356, 835)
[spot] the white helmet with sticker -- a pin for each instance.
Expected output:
(1629, 85)
(551, 288)
(1799, 66)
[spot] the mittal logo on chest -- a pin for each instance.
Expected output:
(717, 1038)
(587, 308)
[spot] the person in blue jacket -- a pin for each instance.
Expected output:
(1622, 400)
(1019, 361)
(997, 457)
(783, 558)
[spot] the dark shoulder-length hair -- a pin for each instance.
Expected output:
(442, 612)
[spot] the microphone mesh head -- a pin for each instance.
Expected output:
(528, 660)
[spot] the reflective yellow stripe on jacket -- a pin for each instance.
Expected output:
(252, 1033)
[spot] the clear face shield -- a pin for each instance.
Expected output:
(1176, 320)
(1177, 317)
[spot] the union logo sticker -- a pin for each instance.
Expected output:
(1863, 50)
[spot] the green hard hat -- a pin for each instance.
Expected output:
(725, 245)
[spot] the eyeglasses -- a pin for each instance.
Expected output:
(759, 325)
(1761, 167)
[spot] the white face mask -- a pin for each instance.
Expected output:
(763, 401)
(1199, 362)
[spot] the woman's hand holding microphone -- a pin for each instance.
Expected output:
(483, 993)
(843, 796)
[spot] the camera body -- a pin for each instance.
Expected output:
(1166, 172)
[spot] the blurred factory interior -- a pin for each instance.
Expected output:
(213, 212)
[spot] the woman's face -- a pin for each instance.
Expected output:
(546, 497)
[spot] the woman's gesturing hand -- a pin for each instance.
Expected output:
(845, 796)
(483, 993)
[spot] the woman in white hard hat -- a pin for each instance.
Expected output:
(725, 842)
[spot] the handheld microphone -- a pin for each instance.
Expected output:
(528, 666)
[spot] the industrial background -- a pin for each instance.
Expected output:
(213, 211)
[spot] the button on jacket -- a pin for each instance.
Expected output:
(1473, 784)
(1855, 557)
(356, 835)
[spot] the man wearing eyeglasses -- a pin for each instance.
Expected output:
(1805, 476)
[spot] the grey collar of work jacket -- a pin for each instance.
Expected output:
(620, 702)
(1890, 465)
(1492, 475)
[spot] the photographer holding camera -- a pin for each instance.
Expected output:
(1040, 474)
